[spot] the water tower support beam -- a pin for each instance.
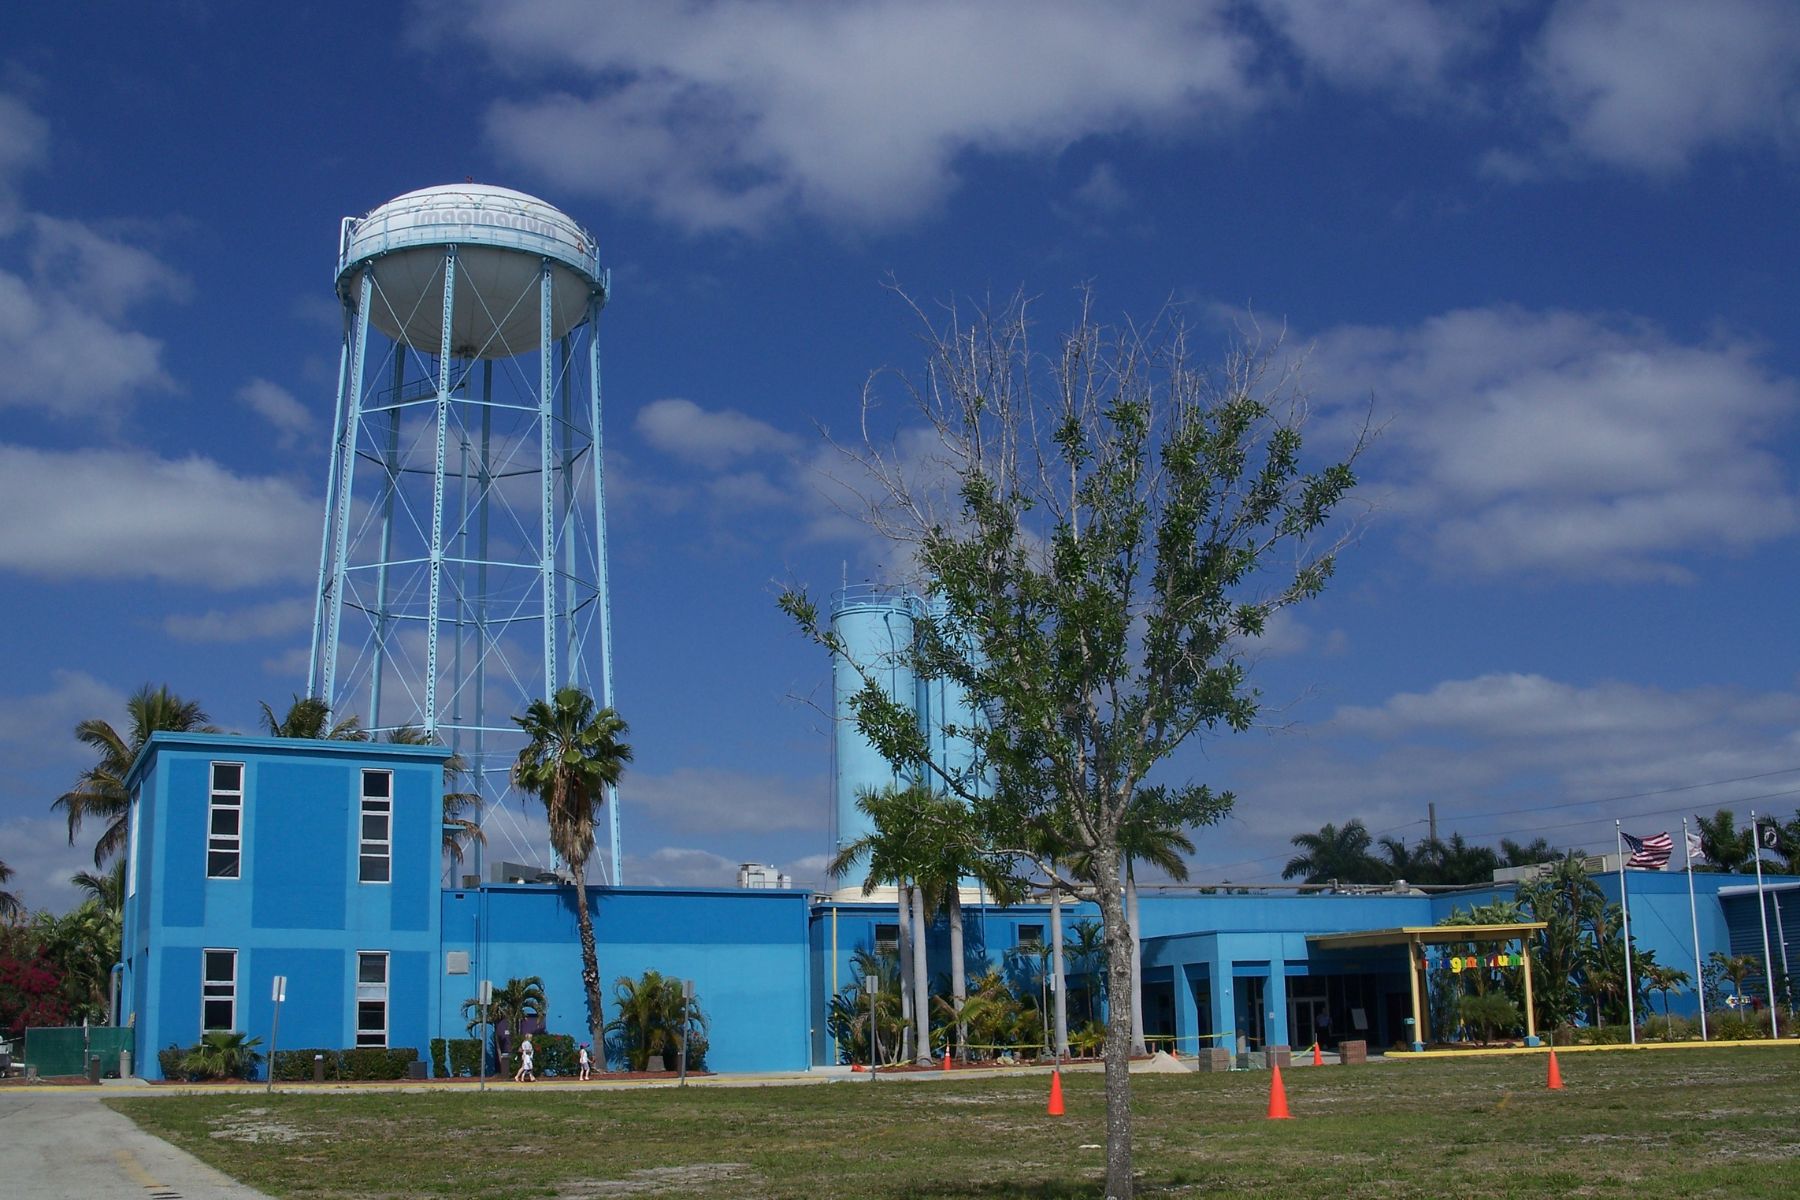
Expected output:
(437, 495)
(337, 436)
(605, 597)
(347, 476)
(389, 483)
(547, 476)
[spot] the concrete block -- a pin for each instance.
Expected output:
(1278, 1056)
(1213, 1060)
(1353, 1052)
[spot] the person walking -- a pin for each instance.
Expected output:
(526, 1051)
(585, 1061)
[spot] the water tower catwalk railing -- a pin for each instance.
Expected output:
(462, 567)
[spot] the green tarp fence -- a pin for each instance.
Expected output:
(64, 1051)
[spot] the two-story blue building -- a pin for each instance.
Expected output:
(252, 858)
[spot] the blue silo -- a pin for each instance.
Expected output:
(942, 705)
(876, 626)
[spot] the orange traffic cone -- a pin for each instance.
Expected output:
(1555, 1074)
(946, 1056)
(857, 1067)
(1278, 1109)
(1056, 1104)
(1318, 1058)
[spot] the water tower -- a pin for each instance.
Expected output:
(462, 570)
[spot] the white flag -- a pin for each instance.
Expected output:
(1693, 848)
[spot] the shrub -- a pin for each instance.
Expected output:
(465, 1056)
(555, 1053)
(296, 1066)
(439, 1068)
(170, 1059)
(1489, 1013)
(222, 1055)
(378, 1062)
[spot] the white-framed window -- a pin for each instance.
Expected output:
(1031, 937)
(225, 822)
(887, 939)
(131, 845)
(218, 990)
(374, 860)
(371, 997)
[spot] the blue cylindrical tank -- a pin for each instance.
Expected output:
(941, 705)
(877, 631)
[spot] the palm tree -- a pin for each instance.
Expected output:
(1568, 900)
(1399, 861)
(462, 810)
(1725, 845)
(1460, 862)
(223, 1054)
(519, 1001)
(10, 907)
(574, 755)
(106, 890)
(652, 1011)
(910, 823)
(310, 717)
(1512, 854)
(1333, 854)
(1737, 968)
(100, 790)
(1665, 980)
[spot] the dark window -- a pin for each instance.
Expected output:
(375, 854)
(1031, 935)
(225, 822)
(887, 939)
(371, 998)
(218, 990)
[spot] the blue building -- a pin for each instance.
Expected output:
(250, 858)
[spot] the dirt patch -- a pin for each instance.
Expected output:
(250, 1125)
(652, 1181)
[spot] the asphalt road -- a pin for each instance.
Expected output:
(65, 1145)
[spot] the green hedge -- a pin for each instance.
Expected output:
(360, 1063)
(555, 1054)
(455, 1058)
(169, 1059)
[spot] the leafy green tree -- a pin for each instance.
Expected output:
(10, 907)
(1737, 968)
(310, 717)
(1489, 1012)
(1115, 530)
(82, 945)
(1725, 846)
(1460, 862)
(1400, 861)
(1569, 902)
(574, 755)
(1333, 854)
(99, 793)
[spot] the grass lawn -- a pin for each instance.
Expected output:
(1696, 1123)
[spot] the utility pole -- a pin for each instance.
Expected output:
(1431, 818)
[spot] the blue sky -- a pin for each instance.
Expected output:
(1552, 243)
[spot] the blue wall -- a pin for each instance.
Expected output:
(745, 950)
(296, 908)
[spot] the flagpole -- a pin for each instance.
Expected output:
(1625, 909)
(1762, 911)
(1687, 850)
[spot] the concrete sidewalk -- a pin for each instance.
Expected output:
(62, 1144)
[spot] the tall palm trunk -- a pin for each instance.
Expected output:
(1137, 963)
(921, 981)
(903, 951)
(590, 957)
(1061, 1045)
(959, 979)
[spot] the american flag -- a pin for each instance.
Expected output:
(1651, 853)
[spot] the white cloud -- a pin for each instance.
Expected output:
(708, 800)
(276, 405)
(1378, 43)
(38, 851)
(674, 866)
(1102, 192)
(44, 723)
(735, 114)
(710, 437)
(1513, 755)
(116, 514)
(24, 138)
(1570, 443)
(258, 621)
(1646, 84)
